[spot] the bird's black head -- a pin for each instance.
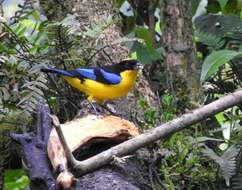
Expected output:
(123, 66)
(129, 65)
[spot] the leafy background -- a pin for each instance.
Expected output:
(207, 156)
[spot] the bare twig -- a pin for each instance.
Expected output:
(60, 134)
(157, 133)
(108, 56)
(15, 37)
(57, 88)
(94, 54)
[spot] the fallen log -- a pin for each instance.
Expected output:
(96, 172)
(82, 133)
(151, 136)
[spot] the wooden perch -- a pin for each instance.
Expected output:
(34, 150)
(127, 147)
(41, 175)
(80, 135)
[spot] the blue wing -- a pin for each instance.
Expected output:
(57, 71)
(97, 74)
(93, 73)
(110, 78)
(85, 73)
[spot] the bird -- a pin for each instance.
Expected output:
(102, 83)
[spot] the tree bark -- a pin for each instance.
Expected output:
(1, 15)
(94, 12)
(35, 151)
(153, 135)
(1, 148)
(180, 59)
(34, 147)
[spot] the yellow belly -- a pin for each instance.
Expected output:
(101, 92)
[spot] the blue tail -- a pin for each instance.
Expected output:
(57, 71)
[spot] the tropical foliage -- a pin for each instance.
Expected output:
(207, 156)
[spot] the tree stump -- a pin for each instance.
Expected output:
(125, 175)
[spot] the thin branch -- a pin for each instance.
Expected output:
(153, 135)
(23, 46)
(62, 94)
(109, 57)
(60, 134)
(94, 54)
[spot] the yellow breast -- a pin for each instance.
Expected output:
(101, 92)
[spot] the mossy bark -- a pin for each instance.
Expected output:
(94, 12)
(1, 145)
(180, 60)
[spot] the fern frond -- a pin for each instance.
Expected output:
(236, 182)
(32, 91)
(35, 69)
(211, 154)
(59, 36)
(228, 166)
(96, 29)
(227, 162)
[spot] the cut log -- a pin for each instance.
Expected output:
(81, 134)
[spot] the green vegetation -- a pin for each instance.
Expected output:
(15, 179)
(207, 156)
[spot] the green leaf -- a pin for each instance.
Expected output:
(134, 55)
(144, 34)
(95, 30)
(6, 94)
(119, 3)
(204, 138)
(157, 27)
(15, 180)
(215, 60)
(21, 32)
(30, 24)
(33, 49)
(220, 117)
(147, 54)
(231, 7)
(195, 4)
(36, 15)
(24, 26)
(213, 7)
(166, 100)
(212, 41)
(222, 3)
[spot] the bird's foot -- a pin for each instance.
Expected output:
(105, 108)
(111, 110)
(96, 110)
(94, 107)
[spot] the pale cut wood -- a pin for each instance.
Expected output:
(80, 131)
(85, 130)
(160, 132)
